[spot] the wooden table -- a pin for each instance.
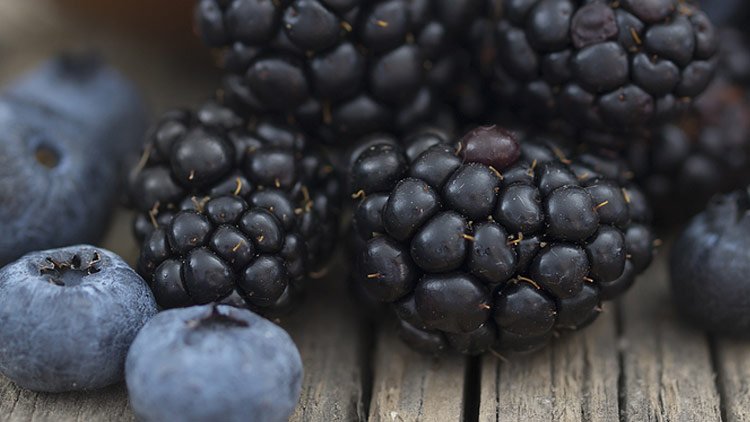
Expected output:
(637, 362)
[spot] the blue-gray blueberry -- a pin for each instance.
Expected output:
(213, 363)
(65, 131)
(709, 267)
(68, 317)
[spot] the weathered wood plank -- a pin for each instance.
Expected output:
(667, 370)
(20, 405)
(520, 389)
(601, 367)
(573, 380)
(410, 386)
(334, 341)
(732, 359)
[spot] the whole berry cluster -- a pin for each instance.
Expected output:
(600, 65)
(491, 244)
(341, 68)
(222, 200)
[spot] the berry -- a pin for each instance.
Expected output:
(682, 164)
(708, 267)
(601, 66)
(84, 306)
(494, 244)
(232, 214)
(53, 192)
(342, 69)
(213, 362)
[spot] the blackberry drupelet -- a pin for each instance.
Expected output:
(494, 244)
(231, 211)
(603, 66)
(341, 68)
(682, 164)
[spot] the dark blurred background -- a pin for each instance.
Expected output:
(152, 42)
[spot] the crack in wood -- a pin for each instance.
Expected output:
(718, 377)
(497, 391)
(621, 388)
(472, 388)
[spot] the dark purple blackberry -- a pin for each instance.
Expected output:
(341, 68)
(491, 244)
(683, 163)
(231, 211)
(600, 65)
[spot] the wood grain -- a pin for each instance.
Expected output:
(574, 380)
(20, 405)
(732, 360)
(410, 386)
(667, 369)
(334, 340)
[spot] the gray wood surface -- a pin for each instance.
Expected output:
(732, 359)
(574, 380)
(19, 405)
(409, 386)
(667, 367)
(334, 340)
(637, 362)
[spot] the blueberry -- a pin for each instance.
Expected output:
(211, 363)
(68, 316)
(709, 264)
(67, 129)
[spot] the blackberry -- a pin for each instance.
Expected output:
(231, 211)
(489, 243)
(682, 164)
(603, 66)
(340, 68)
